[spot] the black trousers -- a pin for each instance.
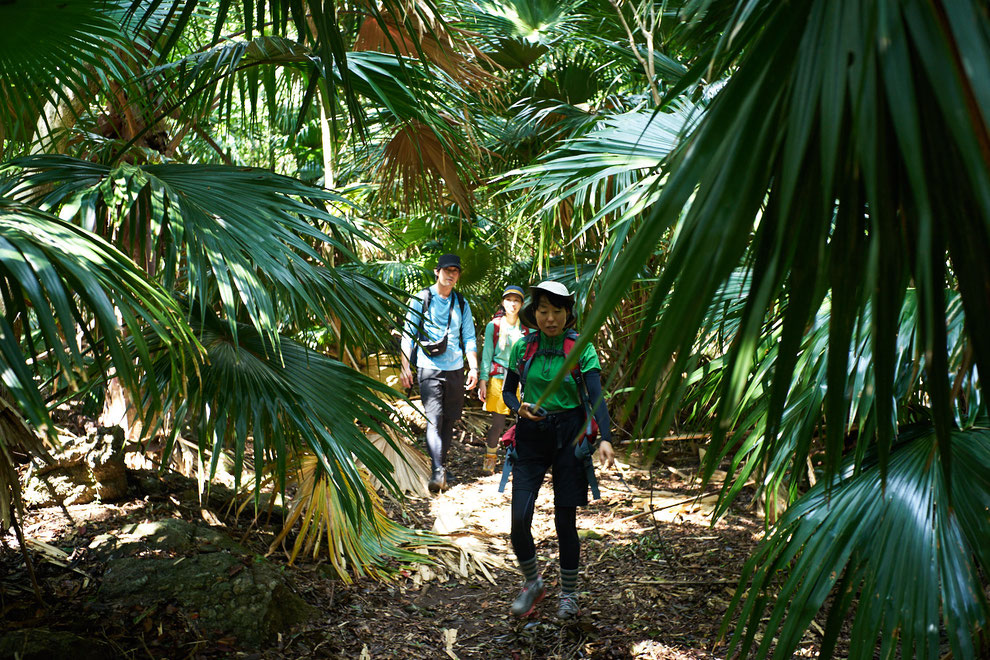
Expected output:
(541, 446)
(442, 393)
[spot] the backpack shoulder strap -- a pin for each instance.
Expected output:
(425, 296)
(569, 338)
(460, 305)
(532, 346)
(496, 330)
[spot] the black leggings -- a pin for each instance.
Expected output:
(565, 520)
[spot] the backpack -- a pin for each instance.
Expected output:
(589, 432)
(424, 297)
(497, 369)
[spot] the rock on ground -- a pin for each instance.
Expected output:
(86, 469)
(205, 573)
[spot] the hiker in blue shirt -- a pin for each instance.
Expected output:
(436, 342)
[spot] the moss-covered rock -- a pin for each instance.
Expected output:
(221, 588)
(85, 469)
(169, 535)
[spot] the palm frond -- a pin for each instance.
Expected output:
(245, 236)
(822, 121)
(312, 22)
(411, 468)
(62, 289)
(355, 548)
(890, 548)
(281, 402)
(55, 53)
(613, 169)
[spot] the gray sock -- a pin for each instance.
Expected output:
(528, 568)
(568, 580)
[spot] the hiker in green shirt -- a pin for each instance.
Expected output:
(501, 334)
(553, 437)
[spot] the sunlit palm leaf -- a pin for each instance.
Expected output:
(310, 20)
(895, 546)
(245, 235)
(518, 32)
(355, 548)
(282, 402)
(847, 153)
(823, 107)
(613, 169)
(427, 146)
(411, 468)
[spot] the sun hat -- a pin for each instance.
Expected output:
(449, 260)
(528, 315)
(512, 288)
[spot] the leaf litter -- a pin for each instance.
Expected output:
(656, 577)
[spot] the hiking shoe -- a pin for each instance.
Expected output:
(568, 607)
(532, 592)
(438, 481)
(490, 461)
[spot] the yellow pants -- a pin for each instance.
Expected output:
(493, 400)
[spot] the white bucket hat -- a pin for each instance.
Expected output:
(547, 286)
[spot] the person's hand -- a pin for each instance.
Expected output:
(472, 379)
(526, 410)
(606, 455)
(405, 376)
(483, 390)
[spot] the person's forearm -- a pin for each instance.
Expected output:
(472, 358)
(593, 380)
(509, 388)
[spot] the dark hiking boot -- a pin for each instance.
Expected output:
(532, 593)
(438, 481)
(568, 607)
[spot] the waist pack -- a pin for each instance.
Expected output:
(583, 449)
(435, 348)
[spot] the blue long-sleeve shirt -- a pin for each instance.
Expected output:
(434, 325)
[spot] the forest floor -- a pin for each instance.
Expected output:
(656, 576)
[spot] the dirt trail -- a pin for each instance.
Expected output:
(653, 586)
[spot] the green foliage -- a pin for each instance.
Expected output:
(901, 547)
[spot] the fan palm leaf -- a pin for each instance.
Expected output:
(518, 32)
(612, 169)
(250, 397)
(418, 108)
(62, 289)
(50, 55)
(782, 459)
(827, 105)
(253, 245)
(847, 156)
(841, 537)
(355, 548)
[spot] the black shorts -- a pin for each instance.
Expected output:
(549, 445)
